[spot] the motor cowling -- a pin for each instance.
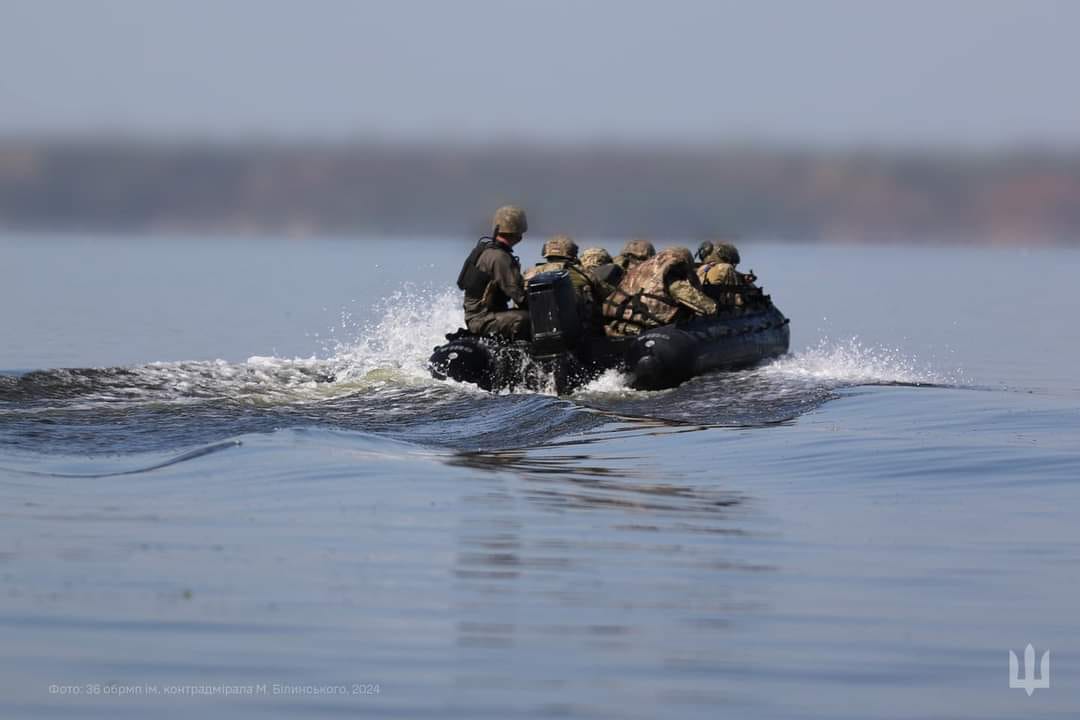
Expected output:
(556, 324)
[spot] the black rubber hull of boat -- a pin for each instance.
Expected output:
(660, 358)
(668, 356)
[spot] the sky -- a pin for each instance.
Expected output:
(802, 72)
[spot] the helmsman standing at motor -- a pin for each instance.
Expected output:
(491, 278)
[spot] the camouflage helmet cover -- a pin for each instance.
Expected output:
(680, 254)
(595, 257)
(640, 249)
(510, 219)
(560, 246)
(705, 249)
(725, 253)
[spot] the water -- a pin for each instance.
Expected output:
(246, 478)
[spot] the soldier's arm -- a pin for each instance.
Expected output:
(686, 294)
(508, 277)
(588, 284)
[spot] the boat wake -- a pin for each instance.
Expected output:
(850, 362)
(774, 392)
(372, 377)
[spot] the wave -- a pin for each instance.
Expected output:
(373, 377)
(774, 392)
(168, 462)
(393, 349)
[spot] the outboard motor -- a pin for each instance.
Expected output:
(556, 326)
(557, 331)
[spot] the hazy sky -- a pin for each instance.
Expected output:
(799, 71)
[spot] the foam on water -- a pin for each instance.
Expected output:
(851, 362)
(610, 382)
(411, 322)
(392, 349)
(372, 376)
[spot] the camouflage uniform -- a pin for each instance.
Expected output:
(659, 291)
(714, 274)
(718, 269)
(487, 305)
(634, 252)
(603, 271)
(718, 273)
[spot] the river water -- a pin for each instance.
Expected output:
(228, 488)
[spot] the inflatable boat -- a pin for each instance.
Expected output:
(562, 357)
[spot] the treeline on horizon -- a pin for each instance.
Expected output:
(1018, 196)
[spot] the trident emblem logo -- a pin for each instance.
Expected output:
(1029, 682)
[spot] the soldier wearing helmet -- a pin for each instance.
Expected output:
(717, 272)
(561, 253)
(658, 291)
(595, 257)
(491, 278)
(634, 252)
(601, 268)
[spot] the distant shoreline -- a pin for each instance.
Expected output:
(1008, 196)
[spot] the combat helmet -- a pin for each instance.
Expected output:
(639, 249)
(509, 220)
(679, 254)
(595, 257)
(705, 249)
(562, 246)
(725, 253)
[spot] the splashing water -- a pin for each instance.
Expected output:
(611, 382)
(412, 321)
(394, 348)
(850, 362)
(373, 377)
(776, 391)
(827, 365)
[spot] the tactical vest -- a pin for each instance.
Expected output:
(480, 286)
(641, 301)
(472, 279)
